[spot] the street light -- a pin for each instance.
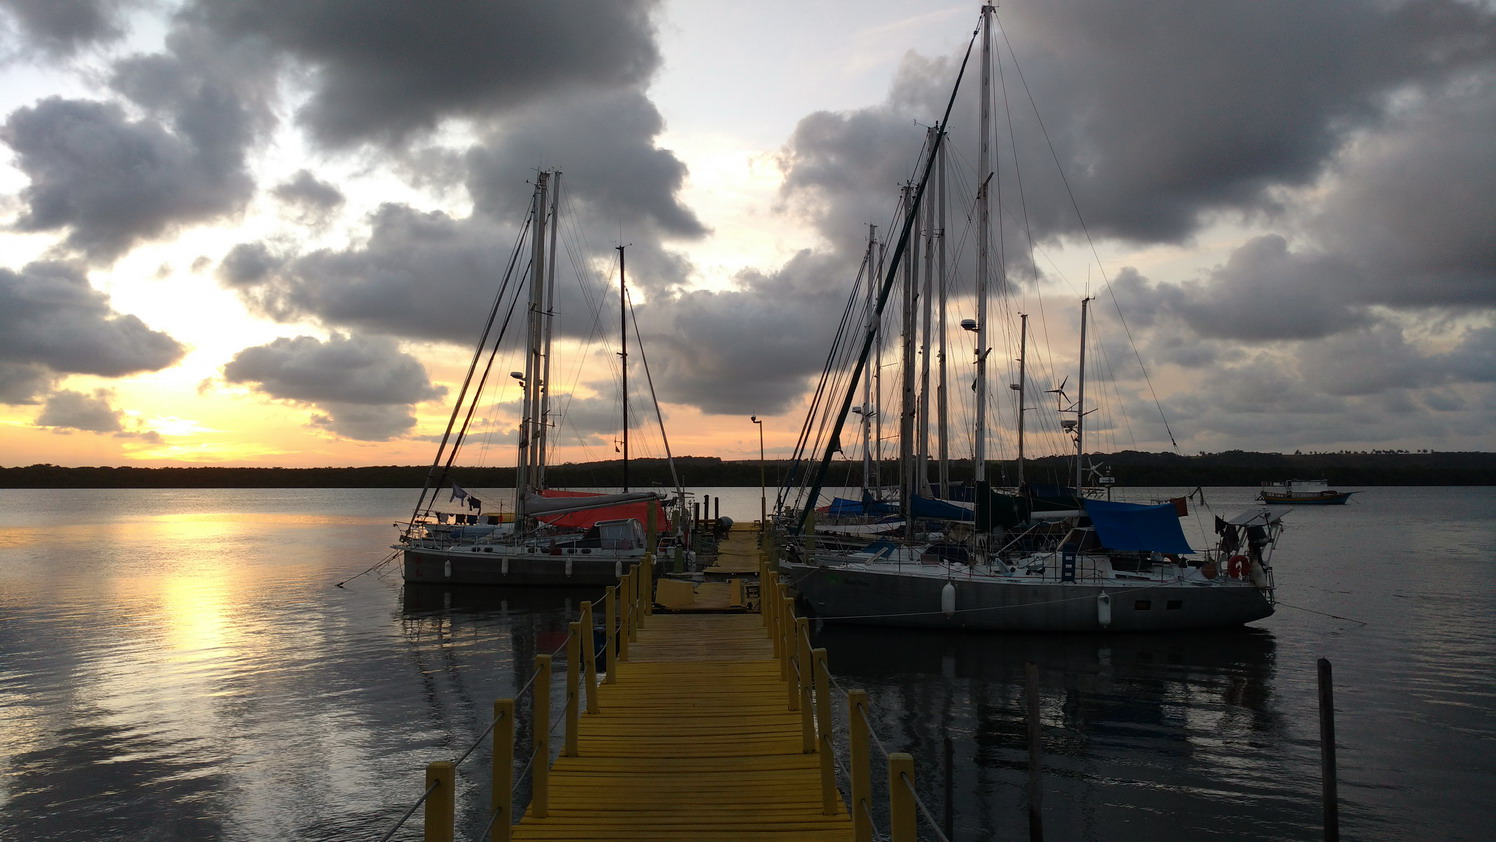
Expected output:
(763, 485)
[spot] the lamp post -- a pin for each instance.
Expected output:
(763, 485)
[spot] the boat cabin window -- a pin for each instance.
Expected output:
(1080, 541)
(626, 534)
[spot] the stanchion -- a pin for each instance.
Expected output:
(501, 800)
(540, 777)
(589, 658)
(441, 804)
(573, 687)
(902, 818)
(860, 757)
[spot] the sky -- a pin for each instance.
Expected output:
(266, 233)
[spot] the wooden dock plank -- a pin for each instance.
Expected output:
(693, 740)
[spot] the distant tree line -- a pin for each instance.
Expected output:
(1129, 468)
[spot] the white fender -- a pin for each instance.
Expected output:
(1258, 575)
(948, 599)
(1104, 609)
(568, 567)
(447, 571)
(618, 569)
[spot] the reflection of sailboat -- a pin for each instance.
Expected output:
(1117, 567)
(554, 537)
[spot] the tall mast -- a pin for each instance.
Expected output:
(1021, 387)
(984, 222)
(550, 323)
(623, 330)
(927, 304)
(942, 409)
(867, 382)
(1080, 399)
(525, 464)
(875, 331)
(907, 401)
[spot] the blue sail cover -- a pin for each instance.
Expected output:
(938, 509)
(1130, 527)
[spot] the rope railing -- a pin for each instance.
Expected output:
(621, 626)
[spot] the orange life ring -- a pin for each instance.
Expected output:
(1237, 566)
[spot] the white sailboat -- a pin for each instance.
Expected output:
(1117, 567)
(546, 542)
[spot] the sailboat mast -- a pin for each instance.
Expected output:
(1080, 400)
(525, 464)
(907, 400)
(623, 332)
(942, 407)
(1022, 387)
(927, 216)
(543, 428)
(984, 223)
(867, 382)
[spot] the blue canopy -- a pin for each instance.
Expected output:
(938, 509)
(1131, 527)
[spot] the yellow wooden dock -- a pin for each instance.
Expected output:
(693, 739)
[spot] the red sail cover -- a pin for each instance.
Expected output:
(586, 518)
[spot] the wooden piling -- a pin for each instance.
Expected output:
(441, 803)
(1328, 789)
(501, 799)
(541, 716)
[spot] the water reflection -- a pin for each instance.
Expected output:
(1131, 722)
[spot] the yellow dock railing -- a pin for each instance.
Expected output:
(627, 607)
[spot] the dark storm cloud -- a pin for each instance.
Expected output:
(248, 264)
(77, 411)
(364, 386)
(22, 383)
(752, 350)
(383, 70)
(310, 194)
(51, 317)
(62, 26)
(111, 182)
(604, 144)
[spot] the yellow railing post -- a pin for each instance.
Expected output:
(634, 615)
(806, 680)
(540, 795)
(824, 726)
(573, 687)
(501, 802)
(589, 657)
(610, 619)
(902, 826)
(860, 762)
(441, 804)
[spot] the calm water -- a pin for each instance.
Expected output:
(179, 665)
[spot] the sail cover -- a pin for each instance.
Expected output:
(1130, 527)
(581, 509)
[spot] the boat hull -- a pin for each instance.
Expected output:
(474, 566)
(863, 594)
(1329, 498)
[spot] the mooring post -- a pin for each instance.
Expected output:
(540, 795)
(441, 804)
(902, 824)
(1036, 756)
(1327, 752)
(501, 800)
(860, 759)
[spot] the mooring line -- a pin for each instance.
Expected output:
(1321, 613)
(386, 560)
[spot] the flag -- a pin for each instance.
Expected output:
(457, 493)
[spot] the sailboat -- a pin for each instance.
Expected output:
(1110, 566)
(553, 537)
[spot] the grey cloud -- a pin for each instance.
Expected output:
(384, 70)
(63, 26)
(248, 264)
(21, 383)
(363, 385)
(51, 317)
(111, 182)
(310, 200)
(77, 411)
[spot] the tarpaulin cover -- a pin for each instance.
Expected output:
(940, 509)
(1130, 527)
(584, 519)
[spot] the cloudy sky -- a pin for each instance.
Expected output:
(264, 233)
